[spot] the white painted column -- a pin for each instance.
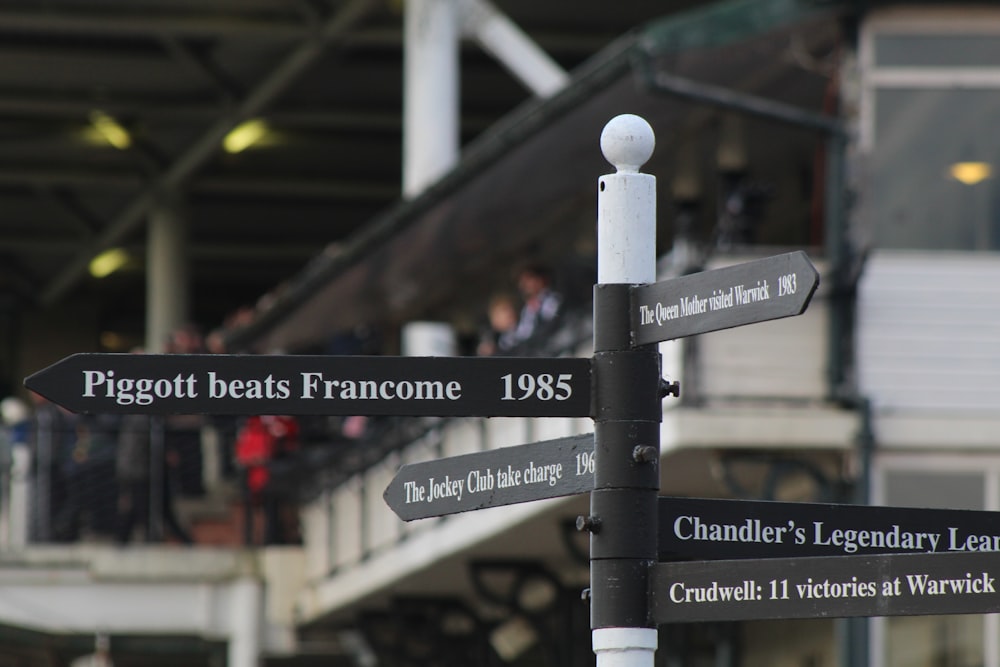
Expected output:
(20, 494)
(245, 615)
(431, 127)
(167, 283)
(505, 41)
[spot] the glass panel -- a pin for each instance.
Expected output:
(937, 50)
(916, 199)
(801, 642)
(933, 641)
(948, 490)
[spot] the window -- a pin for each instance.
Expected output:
(931, 97)
(951, 483)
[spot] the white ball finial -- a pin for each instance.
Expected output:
(627, 142)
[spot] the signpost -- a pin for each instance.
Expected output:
(712, 529)
(317, 385)
(793, 560)
(547, 469)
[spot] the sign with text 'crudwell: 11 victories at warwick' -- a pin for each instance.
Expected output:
(831, 587)
(757, 291)
(317, 385)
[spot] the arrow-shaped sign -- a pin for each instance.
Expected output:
(757, 291)
(546, 469)
(317, 385)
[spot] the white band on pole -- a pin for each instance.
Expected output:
(624, 647)
(626, 204)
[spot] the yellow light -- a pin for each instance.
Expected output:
(108, 262)
(970, 173)
(244, 135)
(110, 130)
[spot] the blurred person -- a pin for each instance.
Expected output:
(542, 306)
(502, 319)
(183, 435)
(85, 458)
(135, 458)
(132, 463)
(15, 415)
(261, 441)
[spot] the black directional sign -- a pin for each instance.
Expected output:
(317, 385)
(547, 469)
(764, 289)
(691, 528)
(836, 586)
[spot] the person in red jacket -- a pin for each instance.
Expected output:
(258, 443)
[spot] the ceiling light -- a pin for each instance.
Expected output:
(244, 135)
(108, 262)
(110, 130)
(970, 173)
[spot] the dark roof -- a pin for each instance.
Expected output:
(526, 187)
(314, 219)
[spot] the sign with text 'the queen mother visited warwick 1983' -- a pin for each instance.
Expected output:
(757, 291)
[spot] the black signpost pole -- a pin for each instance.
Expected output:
(627, 413)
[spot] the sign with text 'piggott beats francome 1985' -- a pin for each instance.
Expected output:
(317, 385)
(756, 291)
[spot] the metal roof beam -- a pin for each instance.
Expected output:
(200, 151)
(45, 245)
(378, 120)
(264, 186)
(105, 24)
(193, 25)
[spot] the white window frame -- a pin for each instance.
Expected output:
(917, 21)
(985, 465)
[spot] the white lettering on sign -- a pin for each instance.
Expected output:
(694, 528)
(544, 387)
(247, 388)
(489, 479)
(316, 385)
(140, 391)
(719, 299)
(810, 588)
(145, 391)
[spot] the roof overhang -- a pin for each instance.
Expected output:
(526, 187)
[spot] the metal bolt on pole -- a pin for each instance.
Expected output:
(627, 406)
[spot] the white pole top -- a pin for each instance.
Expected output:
(627, 142)
(626, 204)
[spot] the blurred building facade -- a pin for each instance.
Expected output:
(859, 132)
